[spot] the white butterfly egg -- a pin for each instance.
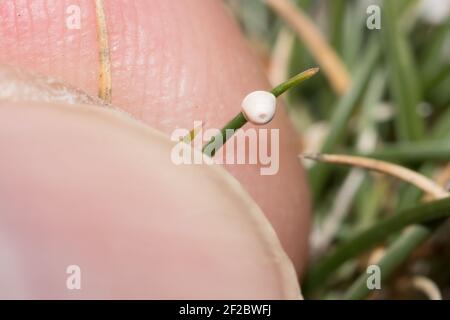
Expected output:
(259, 107)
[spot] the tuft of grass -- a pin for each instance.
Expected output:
(399, 97)
(366, 239)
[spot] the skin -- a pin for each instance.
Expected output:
(125, 247)
(173, 62)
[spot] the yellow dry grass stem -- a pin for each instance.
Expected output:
(420, 181)
(329, 61)
(105, 82)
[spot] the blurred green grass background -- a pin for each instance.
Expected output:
(394, 104)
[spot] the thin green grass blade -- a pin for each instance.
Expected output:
(404, 80)
(366, 239)
(341, 115)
